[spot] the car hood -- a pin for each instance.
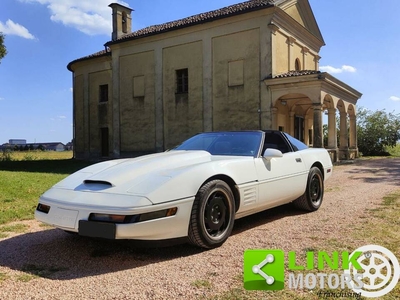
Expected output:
(159, 178)
(117, 173)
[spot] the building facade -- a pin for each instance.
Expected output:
(253, 65)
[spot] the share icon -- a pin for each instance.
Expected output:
(257, 269)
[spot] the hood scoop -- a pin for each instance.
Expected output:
(101, 182)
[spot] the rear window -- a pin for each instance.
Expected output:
(296, 144)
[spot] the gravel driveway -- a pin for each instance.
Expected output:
(71, 267)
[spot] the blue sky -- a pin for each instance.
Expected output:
(43, 36)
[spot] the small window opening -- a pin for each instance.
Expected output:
(182, 81)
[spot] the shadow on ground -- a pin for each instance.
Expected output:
(377, 171)
(54, 254)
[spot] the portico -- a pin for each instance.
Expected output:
(299, 101)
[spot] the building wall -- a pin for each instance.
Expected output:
(79, 117)
(226, 59)
(100, 114)
(281, 53)
(137, 105)
(236, 81)
(183, 113)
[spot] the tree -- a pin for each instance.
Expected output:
(3, 49)
(377, 130)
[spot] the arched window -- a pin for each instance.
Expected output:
(297, 65)
(124, 23)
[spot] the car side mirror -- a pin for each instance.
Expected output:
(272, 153)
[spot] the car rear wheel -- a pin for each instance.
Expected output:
(212, 215)
(312, 198)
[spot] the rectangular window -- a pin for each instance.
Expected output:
(182, 81)
(103, 93)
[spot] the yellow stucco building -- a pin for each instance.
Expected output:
(253, 65)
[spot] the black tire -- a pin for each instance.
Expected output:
(312, 198)
(213, 215)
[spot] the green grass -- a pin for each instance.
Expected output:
(394, 151)
(3, 277)
(23, 181)
(17, 228)
(200, 283)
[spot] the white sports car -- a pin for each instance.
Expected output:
(194, 191)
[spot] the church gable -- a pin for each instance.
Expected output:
(301, 11)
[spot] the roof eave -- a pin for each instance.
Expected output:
(127, 37)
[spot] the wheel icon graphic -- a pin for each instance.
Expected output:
(380, 271)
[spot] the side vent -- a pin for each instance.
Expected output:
(249, 196)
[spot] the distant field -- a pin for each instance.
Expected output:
(37, 155)
(24, 176)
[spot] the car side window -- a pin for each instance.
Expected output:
(275, 141)
(296, 144)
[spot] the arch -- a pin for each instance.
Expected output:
(328, 102)
(341, 106)
(297, 65)
(124, 22)
(351, 110)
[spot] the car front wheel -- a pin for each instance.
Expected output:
(312, 198)
(212, 215)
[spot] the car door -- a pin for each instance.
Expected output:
(280, 179)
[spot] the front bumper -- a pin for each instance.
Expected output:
(71, 217)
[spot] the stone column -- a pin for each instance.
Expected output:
(305, 52)
(159, 107)
(353, 152)
(317, 138)
(290, 41)
(116, 138)
(343, 131)
(274, 112)
(207, 85)
(353, 132)
(344, 144)
(332, 131)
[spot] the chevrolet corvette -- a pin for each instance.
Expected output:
(195, 191)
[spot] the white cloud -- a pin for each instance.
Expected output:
(62, 117)
(89, 17)
(1, 98)
(394, 98)
(12, 28)
(71, 89)
(334, 70)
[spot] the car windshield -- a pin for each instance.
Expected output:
(225, 143)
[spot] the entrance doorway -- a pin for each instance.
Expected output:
(299, 128)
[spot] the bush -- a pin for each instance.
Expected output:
(376, 131)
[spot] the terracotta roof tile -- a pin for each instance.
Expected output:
(106, 52)
(228, 11)
(294, 74)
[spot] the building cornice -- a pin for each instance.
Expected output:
(287, 24)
